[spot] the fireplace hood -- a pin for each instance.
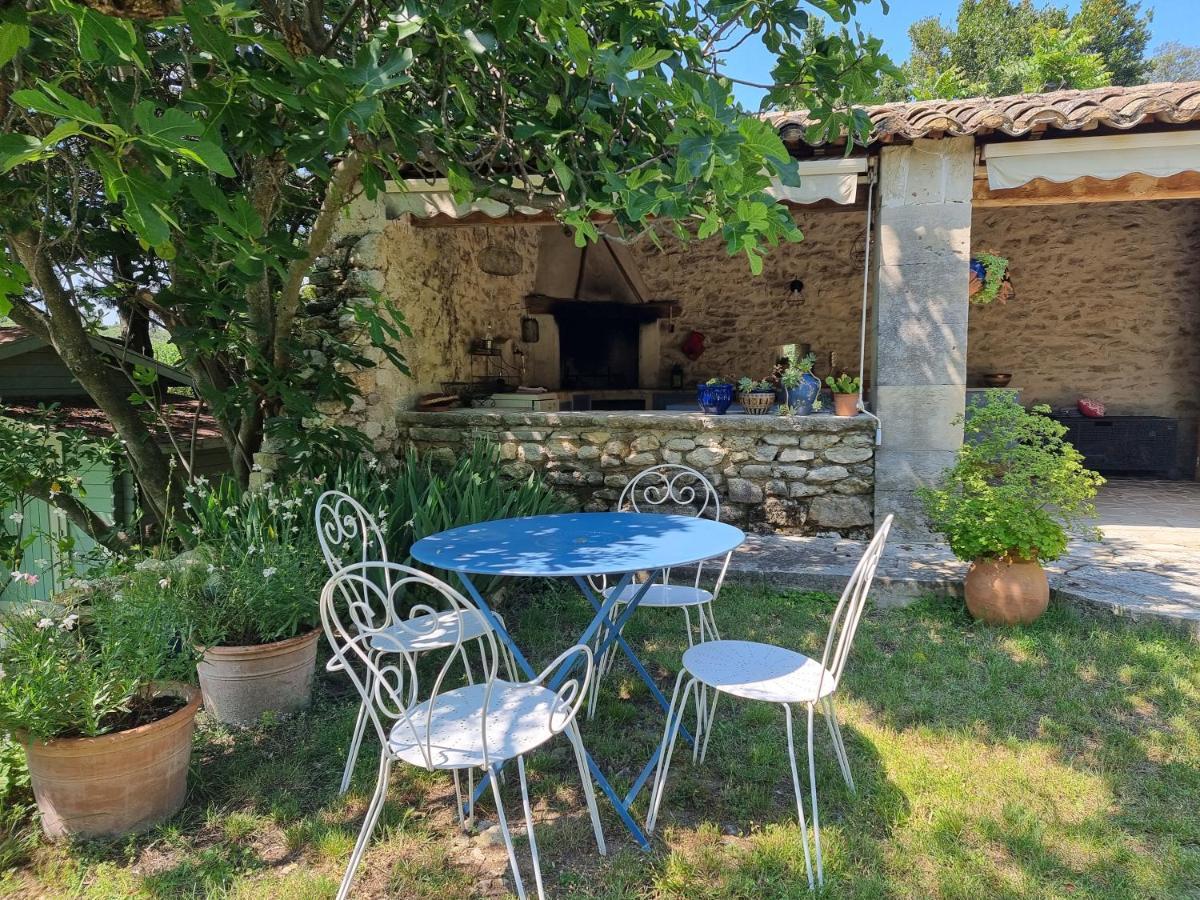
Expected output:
(603, 271)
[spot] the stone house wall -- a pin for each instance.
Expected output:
(808, 475)
(437, 277)
(746, 318)
(1107, 306)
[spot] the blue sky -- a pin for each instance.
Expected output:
(1174, 20)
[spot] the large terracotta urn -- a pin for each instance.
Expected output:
(117, 783)
(1006, 591)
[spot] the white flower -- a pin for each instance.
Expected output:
(17, 517)
(256, 468)
(231, 511)
(197, 530)
(164, 582)
(69, 622)
(187, 505)
(308, 492)
(45, 623)
(372, 463)
(269, 571)
(201, 480)
(211, 568)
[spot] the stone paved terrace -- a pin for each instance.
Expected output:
(1146, 567)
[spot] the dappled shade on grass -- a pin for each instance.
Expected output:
(1060, 759)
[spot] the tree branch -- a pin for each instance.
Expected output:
(345, 177)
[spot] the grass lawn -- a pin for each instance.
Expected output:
(1059, 760)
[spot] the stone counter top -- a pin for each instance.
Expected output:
(649, 420)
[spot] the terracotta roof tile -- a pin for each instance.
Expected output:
(1125, 108)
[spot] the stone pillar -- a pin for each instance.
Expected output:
(922, 251)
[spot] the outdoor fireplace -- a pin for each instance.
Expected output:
(598, 331)
(598, 345)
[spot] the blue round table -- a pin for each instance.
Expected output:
(576, 546)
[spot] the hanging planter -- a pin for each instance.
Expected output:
(989, 281)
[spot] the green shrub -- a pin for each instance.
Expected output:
(1015, 488)
(84, 671)
(256, 572)
(417, 498)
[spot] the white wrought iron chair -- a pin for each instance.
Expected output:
(754, 671)
(682, 490)
(480, 725)
(346, 529)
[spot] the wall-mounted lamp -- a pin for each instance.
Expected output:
(796, 291)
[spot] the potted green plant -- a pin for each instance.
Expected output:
(756, 397)
(97, 696)
(846, 390)
(800, 385)
(989, 279)
(1007, 503)
(249, 604)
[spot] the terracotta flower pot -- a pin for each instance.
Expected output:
(239, 684)
(116, 783)
(1006, 591)
(845, 404)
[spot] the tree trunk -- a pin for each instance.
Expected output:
(105, 385)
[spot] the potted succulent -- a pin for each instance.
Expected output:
(846, 390)
(800, 385)
(96, 695)
(756, 397)
(715, 395)
(248, 603)
(1007, 503)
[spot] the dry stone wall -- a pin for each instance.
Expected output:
(808, 475)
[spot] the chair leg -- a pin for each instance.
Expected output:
(667, 748)
(787, 713)
(533, 850)
(707, 608)
(812, 781)
(710, 718)
(372, 817)
(508, 844)
(360, 726)
(589, 791)
(458, 800)
(839, 745)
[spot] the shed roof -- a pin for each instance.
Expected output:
(15, 341)
(1121, 108)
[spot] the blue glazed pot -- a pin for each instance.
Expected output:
(801, 397)
(714, 398)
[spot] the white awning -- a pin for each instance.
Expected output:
(1104, 157)
(429, 199)
(833, 179)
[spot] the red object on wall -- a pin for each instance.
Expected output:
(693, 345)
(1093, 409)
